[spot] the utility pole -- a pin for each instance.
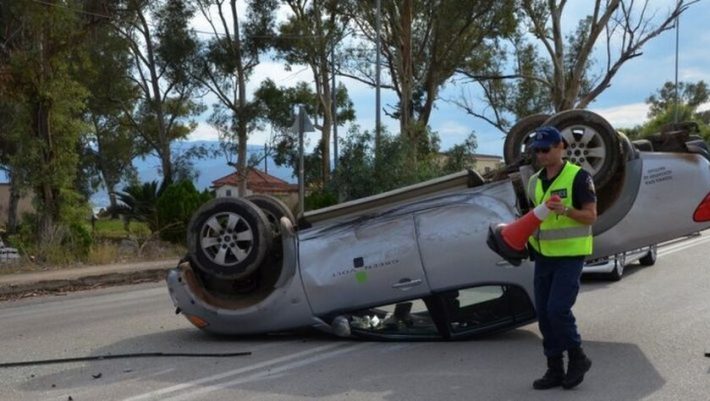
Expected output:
(378, 22)
(334, 108)
(301, 183)
(677, 29)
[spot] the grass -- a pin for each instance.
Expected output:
(112, 243)
(115, 229)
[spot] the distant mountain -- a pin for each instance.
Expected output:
(208, 169)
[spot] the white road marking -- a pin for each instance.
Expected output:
(157, 394)
(276, 372)
(683, 245)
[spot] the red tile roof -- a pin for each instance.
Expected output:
(257, 181)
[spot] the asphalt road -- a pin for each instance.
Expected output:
(646, 334)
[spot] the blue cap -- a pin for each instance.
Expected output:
(546, 137)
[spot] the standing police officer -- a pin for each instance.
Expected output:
(559, 248)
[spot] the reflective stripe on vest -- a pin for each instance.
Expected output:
(559, 235)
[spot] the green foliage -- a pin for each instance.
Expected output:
(320, 199)
(358, 173)
(63, 244)
(663, 109)
(138, 202)
(684, 113)
(116, 229)
(690, 94)
(276, 105)
(163, 55)
(446, 36)
(175, 207)
(460, 156)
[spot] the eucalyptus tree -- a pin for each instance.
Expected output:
(163, 48)
(423, 44)
(41, 47)
(109, 146)
(568, 69)
(665, 108)
(227, 59)
(309, 37)
(275, 109)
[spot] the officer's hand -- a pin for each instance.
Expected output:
(556, 206)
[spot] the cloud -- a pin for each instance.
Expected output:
(203, 132)
(627, 115)
(694, 74)
(206, 132)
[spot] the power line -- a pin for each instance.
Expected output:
(76, 10)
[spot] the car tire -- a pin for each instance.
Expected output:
(650, 258)
(592, 143)
(618, 272)
(518, 137)
(274, 209)
(228, 238)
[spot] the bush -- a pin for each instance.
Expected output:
(398, 164)
(175, 207)
(320, 199)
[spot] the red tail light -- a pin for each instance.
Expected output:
(702, 213)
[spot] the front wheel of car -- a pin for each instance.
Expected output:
(228, 238)
(650, 258)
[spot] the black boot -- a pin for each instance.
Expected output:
(554, 376)
(579, 364)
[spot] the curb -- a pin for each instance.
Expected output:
(58, 286)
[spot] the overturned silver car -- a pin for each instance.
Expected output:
(413, 263)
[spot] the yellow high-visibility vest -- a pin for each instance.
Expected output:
(559, 235)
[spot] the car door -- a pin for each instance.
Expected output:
(370, 260)
(452, 239)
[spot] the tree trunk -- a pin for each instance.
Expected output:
(407, 71)
(48, 212)
(113, 202)
(12, 220)
(326, 101)
(242, 132)
(167, 165)
(157, 103)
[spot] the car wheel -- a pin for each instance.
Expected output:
(650, 258)
(519, 136)
(274, 209)
(592, 143)
(228, 238)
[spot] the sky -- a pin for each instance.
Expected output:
(622, 104)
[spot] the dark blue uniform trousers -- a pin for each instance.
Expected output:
(556, 289)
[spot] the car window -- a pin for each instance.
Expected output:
(486, 308)
(403, 319)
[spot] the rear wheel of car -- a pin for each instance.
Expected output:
(650, 258)
(228, 238)
(618, 272)
(274, 209)
(592, 143)
(519, 137)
